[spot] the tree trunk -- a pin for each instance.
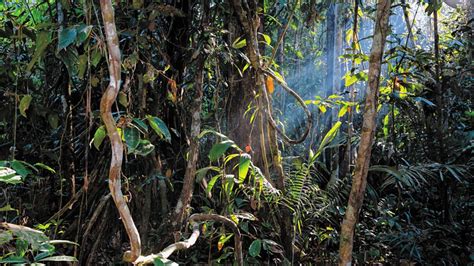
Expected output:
(359, 181)
(190, 173)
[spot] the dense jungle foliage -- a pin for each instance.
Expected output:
(166, 132)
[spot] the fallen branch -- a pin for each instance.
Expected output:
(165, 253)
(194, 219)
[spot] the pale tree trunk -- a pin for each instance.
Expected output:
(108, 99)
(359, 181)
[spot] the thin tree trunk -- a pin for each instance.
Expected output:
(108, 99)
(190, 173)
(406, 16)
(359, 181)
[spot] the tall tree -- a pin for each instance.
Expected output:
(359, 181)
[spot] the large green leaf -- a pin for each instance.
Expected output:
(327, 139)
(255, 248)
(219, 149)
(25, 104)
(159, 127)
(99, 136)
(66, 37)
(244, 164)
(20, 168)
(132, 138)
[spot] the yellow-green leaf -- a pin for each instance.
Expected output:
(25, 104)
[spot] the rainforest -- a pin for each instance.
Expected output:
(236, 132)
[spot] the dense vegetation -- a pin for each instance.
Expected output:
(242, 131)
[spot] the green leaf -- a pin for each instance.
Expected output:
(211, 183)
(95, 57)
(244, 164)
(44, 166)
(342, 111)
(83, 32)
(223, 239)
(219, 149)
(13, 259)
(267, 39)
(132, 138)
(82, 66)
(7, 208)
(201, 173)
(66, 37)
(327, 138)
(349, 80)
(159, 127)
(239, 43)
(53, 120)
(144, 147)
(60, 258)
(25, 104)
(322, 108)
(20, 168)
(140, 124)
(123, 99)
(43, 39)
(255, 248)
(9, 176)
(279, 77)
(99, 137)
(164, 262)
(299, 54)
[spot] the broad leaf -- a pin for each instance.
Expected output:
(244, 164)
(99, 136)
(132, 138)
(66, 37)
(140, 124)
(219, 149)
(239, 43)
(25, 104)
(255, 248)
(159, 127)
(20, 168)
(83, 32)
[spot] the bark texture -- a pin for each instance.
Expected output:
(107, 100)
(190, 173)
(359, 181)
